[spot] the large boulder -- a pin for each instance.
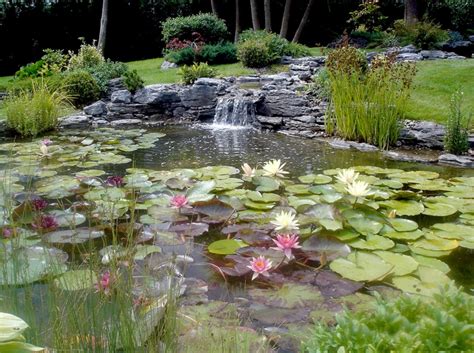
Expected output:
(121, 96)
(409, 57)
(284, 103)
(460, 47)
(98, 108)
(433, 54)
(423, 133)
(157, 95)
(75, 122)
(203, 93)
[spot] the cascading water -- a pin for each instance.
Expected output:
(235, 111)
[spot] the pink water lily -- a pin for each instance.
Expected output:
(115, 181)
(45, 222)
(46, 142)
(260, 266)
(7, 232)
(286, 243)
(39, 204)
(179, 201)
(104, 285)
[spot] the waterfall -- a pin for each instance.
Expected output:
(235, 111)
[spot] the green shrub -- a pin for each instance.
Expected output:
(209, 26)
(457, 128)
(367, 106)
(189, 74)
(377, 39)
(457, 14)
(296, 50)
(55, 61)
(87, 56)
(346, 60)
(253, 54)
(320, 87)
(184, 56)
(82, 87)
(133, 81)
(30, 70)
(423, 34)
(368, 17)
(220, 53)
(409, 324)
(31, 113)
(105, 71)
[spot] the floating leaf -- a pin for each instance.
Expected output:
(372, 242)
(201, 191)
(405, 208)
(402, 264)
(430, 281)
(436, 244)
(331, 247)
(225, 246)
(76, 280)
(404, 235)
(403, 225)
(215, 209)
(266, 184)
(439, 209)
(289, 295)
(361, 266)
(365, 226)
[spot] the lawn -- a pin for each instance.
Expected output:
(434, 84)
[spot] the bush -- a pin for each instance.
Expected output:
(31, 113)
(190, 74)
(82, 87)
(409, 324)
(30, 70)
(133, 81)
(367, 106)
(296, 50)
(220, 53)
(55, 61)
(455, 14)
(320, 87)
(210, 27)
(423, 34)
(368, 17)
(457, 128)
(105, 71)
(252, 54)
(184, 56)
(273, 43)
(87, 56)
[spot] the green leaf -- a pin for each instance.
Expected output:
(225, 246)
(76, 280)
(372, 242)
(365, 226)
(289, 295)
(404, 208)
(402, 264)
(361, 266)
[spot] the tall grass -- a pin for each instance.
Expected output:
(31, 113)
(457, 128)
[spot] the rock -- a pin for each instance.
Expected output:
(307, 119)
(363, 147)
(113, 85)
(456, 57)
(168, 65)
(471, 38)
(157, 95)
(410, 156)
(452, 159)
(409, 57)
(199, 95)
(270, 120)
(121, 96)
(284, 103)
(422, 133)
(433, 54)
(460, 47)
(340, 144)
(96, 109)
(408, 49)
(75, 122)
(125, 122)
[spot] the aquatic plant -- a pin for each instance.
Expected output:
(456, 139)
(358, 189)
(179, 201)
(11, 339)
(286, 243)
(274, 168)
(285, 221)
(260, 266)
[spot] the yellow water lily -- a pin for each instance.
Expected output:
(358, 189)
(274, 168)
(347, 176)
(248, 171)
(285, 222)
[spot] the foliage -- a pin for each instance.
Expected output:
(133, 81)
(189, 74)
(368, 17)
(82, 87)
(30, 70)
(210, 27)
(457, 128)
(408, 324)
(87, 56)
(219, 53)
(367, 106)
(346, 60)
(105, 71)
(55, 61)
(377, 39)
(320, 86)
(253, 54)
(185, 56)
(296, 50)
(422, 34)
(31, 113)
(454, 14)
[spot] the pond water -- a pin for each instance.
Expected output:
(70, 175)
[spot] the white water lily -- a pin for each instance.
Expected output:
(285, 221)
(358, 189)
(44, 150)
(347, 176)
(274, 168)
(248, 171)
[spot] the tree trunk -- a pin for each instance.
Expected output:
(214, 7)
(411, 11)
(268, 15)
(304, 20)
(237, 20)
(285, 20)
(103, 25)
(254, 11)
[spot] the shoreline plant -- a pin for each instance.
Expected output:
(456, 140)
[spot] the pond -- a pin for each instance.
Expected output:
(74, 205)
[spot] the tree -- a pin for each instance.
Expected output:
(411, 11)
(303, 21)
(268, 15)
(285, 19)
(237, 21)
(254, 11)
(104, 19)
(214, 7)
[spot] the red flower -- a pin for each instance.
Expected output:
(115, 181)
(39, 204)
(45, 222)
(105, 284)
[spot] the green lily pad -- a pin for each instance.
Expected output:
(361, 266)
(402, 264)
(76, 280)
(429, 282)
(331, 247)
(105, 194)
(439, 209)
(365, 226)
(436, 244)
(201, 191)
(431, 262)
(266, 184)
(225, 246)
(403, 225)
(215, 209)
(404, 208)
(372, 242)
(68, 218)
(289, 296)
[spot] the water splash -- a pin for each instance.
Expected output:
(235, 111)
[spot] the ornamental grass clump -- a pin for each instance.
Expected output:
(367, 101)
(457, 128)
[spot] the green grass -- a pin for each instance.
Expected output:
(434, 84)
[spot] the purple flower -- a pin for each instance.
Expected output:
(39, 204)
(7, 232)
(115, 181)
(46, 222)
(46, 142)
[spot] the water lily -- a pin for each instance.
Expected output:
(46, 142)
(274, 168)
(115, 181)
(248, 171)
(285, 221)
(7, 232)
(179, 201)
(45, 222)
(104, 285)
(286, 243)
(358, 189)
(347, 176)
(260, 266)
(39, 204)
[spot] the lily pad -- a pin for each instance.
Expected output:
(331, 247)
(365, 226)
(372, 242)
(439, 209)
(289, 296)
(405, 207)
(361, 266)
(76, 280)
(215, 209)
(429, 282)
(225, 246)
(402, 264)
